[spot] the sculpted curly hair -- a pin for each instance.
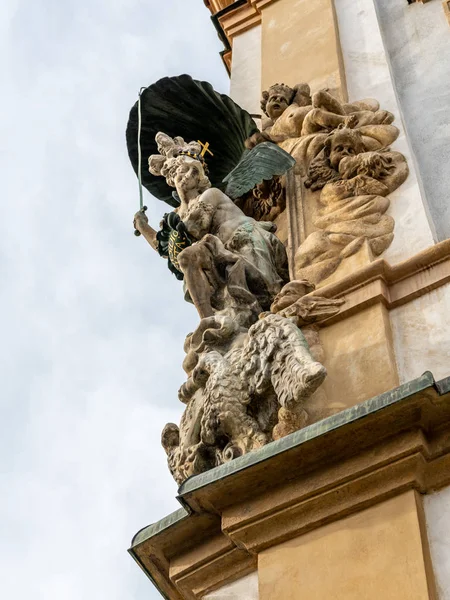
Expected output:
(169, 168)
(300, 93)
(277, 88)
(320, 170)
(175, 152)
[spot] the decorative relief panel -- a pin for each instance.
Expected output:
(345, 172)
(254, 364)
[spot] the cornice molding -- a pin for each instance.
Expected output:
(393, 443)
(392, 285)
(216, 6)
(240, 19)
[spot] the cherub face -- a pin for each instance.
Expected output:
(187, 177)
(276, 105)
(341, 147)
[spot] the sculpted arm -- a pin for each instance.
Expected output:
(140, 223)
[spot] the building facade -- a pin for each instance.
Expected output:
(357, 504)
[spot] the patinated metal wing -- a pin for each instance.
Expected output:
(263, 162)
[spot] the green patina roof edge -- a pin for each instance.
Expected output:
(347, 416)
(443, 386)
(151, 530)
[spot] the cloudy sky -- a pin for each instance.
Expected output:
(92, 320)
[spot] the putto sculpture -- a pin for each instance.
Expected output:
(254, 363)
(345, 170)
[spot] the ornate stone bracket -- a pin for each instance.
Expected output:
(349, 462)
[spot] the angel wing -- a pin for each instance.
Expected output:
(263, 162)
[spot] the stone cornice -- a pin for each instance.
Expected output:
(236, 20)
(216, 6)
(244, 17)
(393, 285)
(378, 449)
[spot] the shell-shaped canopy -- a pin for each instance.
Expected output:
(182, 106)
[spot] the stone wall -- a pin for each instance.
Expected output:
(437, 512)
(367, 75)
(417, 42)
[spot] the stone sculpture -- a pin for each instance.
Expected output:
(245, 387)
(345, 167)
(250, 371)
(354, 186)
(256, 185)
(294, 113)
(236, 265)
(254, 363)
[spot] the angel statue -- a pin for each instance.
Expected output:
(250, 370)
(230, 260)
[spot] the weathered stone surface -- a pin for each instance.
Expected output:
(344, 162)
(319, 475)
(250, 371)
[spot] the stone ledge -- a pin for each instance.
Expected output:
(392, 285)
(378, 449)
(216, 6)
(233, 20)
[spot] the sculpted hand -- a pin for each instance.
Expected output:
(140, 221)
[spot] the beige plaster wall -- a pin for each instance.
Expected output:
(359, 358)
(245, 86)
(245, 588)
(417, 40)
(437, 513)
(367, 75)
(299, 43)
(421, 335)
(376, 553)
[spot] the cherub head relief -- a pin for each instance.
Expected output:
(278, 97)
(341, 144)
(181, 163)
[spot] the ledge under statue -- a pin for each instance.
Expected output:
(254, 363)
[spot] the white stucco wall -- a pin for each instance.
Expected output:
(245, 588)
(417, 42)
(368, 76)
(437, 513)
(245, 86)
(421, 335)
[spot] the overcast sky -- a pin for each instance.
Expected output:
(93, 322)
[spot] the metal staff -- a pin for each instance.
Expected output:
(141, 200)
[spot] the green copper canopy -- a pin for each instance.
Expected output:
(182, 106)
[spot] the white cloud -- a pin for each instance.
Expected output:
(93, 322)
